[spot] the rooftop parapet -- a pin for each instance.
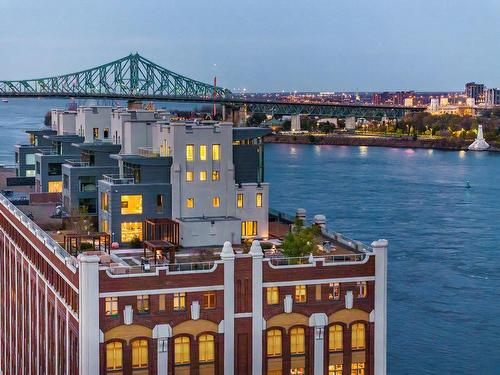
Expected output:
(70, 261)
(115, 179)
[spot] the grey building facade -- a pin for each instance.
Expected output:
(48, 162)
(25, 152)
(141, 191)
(80, 177)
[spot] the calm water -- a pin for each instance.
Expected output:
(444, 299)
(444, 302)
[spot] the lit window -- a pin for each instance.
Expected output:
(335, 338)
(206, 348)
(105, 225)
(258, 199)
(181, 350)
(215, 176)
(209, 300)
(300, 293)
(239, 201)
(189, 152)
(180, 301)
(297, 371)
(189, 176)
(358, 336)
(215, 152)
(358, 368)
(248, 228)
(362, 290)
(132, 230)
(334, 291)
(95, 133)
(274, 343)
(143, 304)
(203, 175)
(297, 341)
(203, 152)
(55, 186)
(139, 354)
(161, 302)
(272, 294)
(190, 202)
(104, 201)
(111, 306)
(131, 204)
(335, 369)
(216, 201)
(114, 356)
(30, 159)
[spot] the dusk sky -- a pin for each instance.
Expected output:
(272, 45)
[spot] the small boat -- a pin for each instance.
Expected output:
(467, 185)
(5, 100)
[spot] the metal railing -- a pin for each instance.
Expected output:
(344, 258)
(148, 152)
(115, 179)
(48, 241)
(77, 163)
(190, 267)
(291, 261)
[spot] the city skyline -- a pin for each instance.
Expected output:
(252, 48)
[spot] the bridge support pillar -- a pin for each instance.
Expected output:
(295, 123)
(236, 115)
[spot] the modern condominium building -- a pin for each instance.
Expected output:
(186, 271)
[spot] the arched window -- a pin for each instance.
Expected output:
(206, 348)
(335, 338)
(114, 356)
(274, 343)
(139, 353)
(297, 341)
(182, 355)
(358, 336)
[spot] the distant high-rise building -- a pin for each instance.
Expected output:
(492, 97)
(475, 90)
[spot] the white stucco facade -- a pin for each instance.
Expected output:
(94, 123)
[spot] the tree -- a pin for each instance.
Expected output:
(300, 240)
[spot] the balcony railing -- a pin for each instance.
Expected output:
(77, 163)
(148, 152)
(282, 261)
(115, 179)
(48, 241)
(154, 269)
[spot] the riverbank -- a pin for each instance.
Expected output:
(356, 140)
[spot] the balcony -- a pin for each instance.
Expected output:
(148, 152)
(115, 179)
(77, 163)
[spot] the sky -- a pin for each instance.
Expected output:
(263, 45)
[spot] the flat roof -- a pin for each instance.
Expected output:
(65, 138)
(98, 146)
(42, 131)
(143, 160)
(240, 134)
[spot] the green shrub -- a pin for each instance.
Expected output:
(135, 242)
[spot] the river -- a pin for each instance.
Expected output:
(443, 290)
(443, 282)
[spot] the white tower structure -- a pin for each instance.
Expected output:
(479, 144)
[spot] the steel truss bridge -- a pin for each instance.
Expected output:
(136, 78)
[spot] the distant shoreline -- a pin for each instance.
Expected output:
(353, 140)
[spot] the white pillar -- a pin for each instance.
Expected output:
(257, 315)
(380, 249)
(227, 256)
(319, 321)
(89, 314)
(162, 332)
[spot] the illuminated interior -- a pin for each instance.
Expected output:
(131, 204)
(55, 186)
(131, 230)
